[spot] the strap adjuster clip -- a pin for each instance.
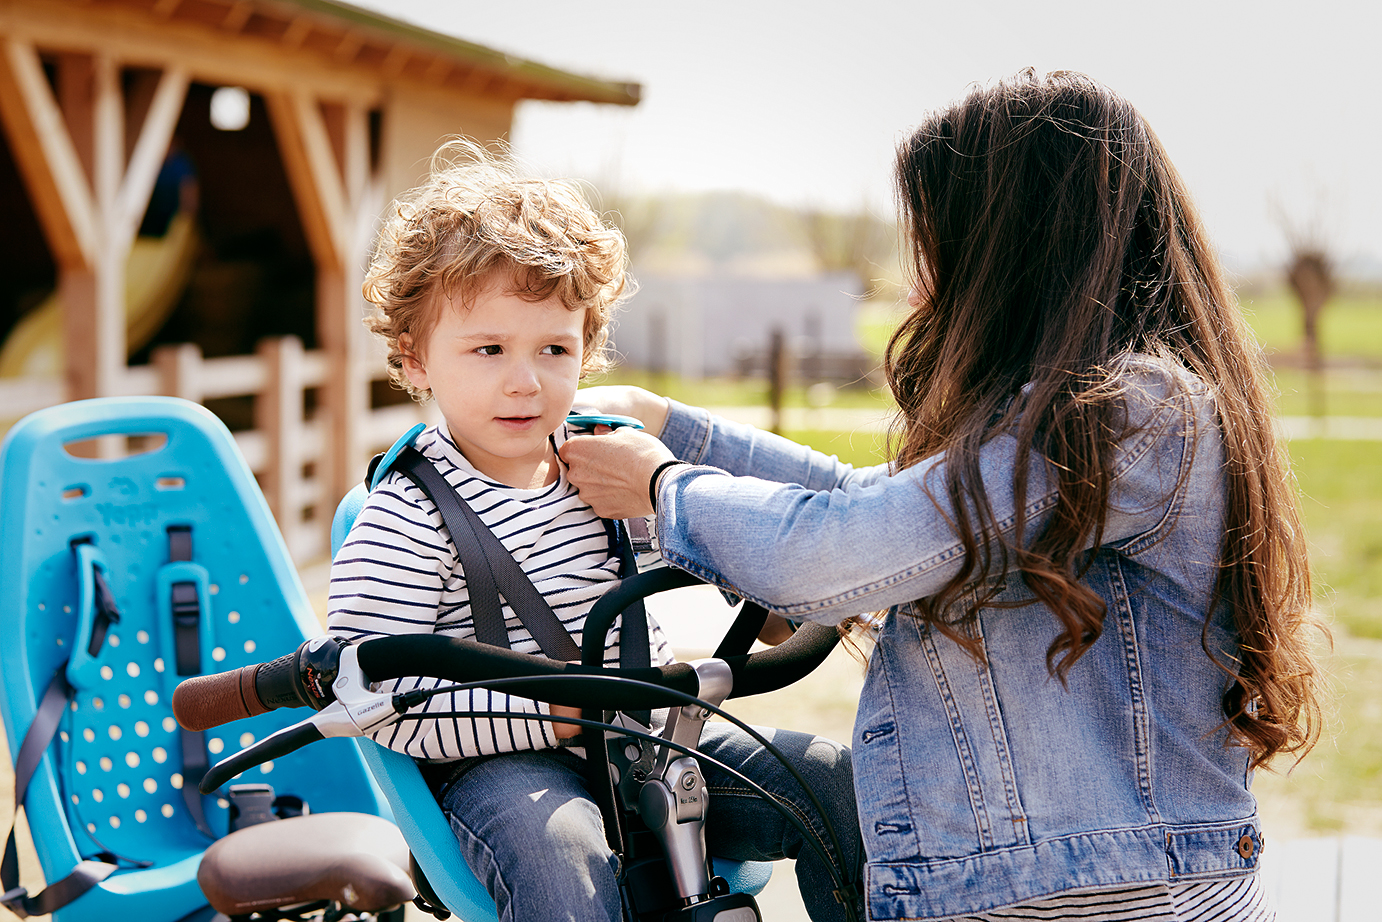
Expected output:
(14, 900)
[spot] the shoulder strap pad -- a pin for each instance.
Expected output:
(381, 464)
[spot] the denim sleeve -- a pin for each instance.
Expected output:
(811, 538)
(700, 437)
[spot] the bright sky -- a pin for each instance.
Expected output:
(1265, 108)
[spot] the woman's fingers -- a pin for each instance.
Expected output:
(612, 470)
(627, 400)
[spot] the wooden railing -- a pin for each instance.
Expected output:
(285, 444)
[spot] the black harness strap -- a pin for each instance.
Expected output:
(187, 615)
(187, 623)
(482, 555)
(633, 631)
(37, 738)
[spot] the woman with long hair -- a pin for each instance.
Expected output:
(1087, 559)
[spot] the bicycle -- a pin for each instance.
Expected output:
(649, 786)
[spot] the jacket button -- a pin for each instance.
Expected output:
(1246, 846)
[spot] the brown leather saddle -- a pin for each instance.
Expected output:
(354, 859)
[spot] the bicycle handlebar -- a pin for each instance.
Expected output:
(203, 702)
(308, 677)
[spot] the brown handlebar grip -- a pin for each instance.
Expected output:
(207, 701)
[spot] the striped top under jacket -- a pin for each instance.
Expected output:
(397, 573)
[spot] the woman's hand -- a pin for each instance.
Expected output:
(626, 400)
(612, 469)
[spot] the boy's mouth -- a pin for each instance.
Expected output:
(516, 421)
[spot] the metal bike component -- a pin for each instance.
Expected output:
(365, 710)
(673, 802)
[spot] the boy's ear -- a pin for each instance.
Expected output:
(413, 365)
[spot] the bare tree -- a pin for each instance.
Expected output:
(1311, 274)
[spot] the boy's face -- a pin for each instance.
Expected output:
(504, 374)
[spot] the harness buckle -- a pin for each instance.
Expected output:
(15, 900)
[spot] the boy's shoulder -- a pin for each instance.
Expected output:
(436, 447)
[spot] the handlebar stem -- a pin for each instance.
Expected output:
(673, 802)
(684, 723)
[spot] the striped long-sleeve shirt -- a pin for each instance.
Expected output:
(397, 573)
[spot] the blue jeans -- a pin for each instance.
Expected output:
(535, 839)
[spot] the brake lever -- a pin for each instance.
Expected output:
(357, 711)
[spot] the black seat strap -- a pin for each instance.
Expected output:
(37, 739)
(633, 630)
(187, 615)
(489, 568)
(187, 650)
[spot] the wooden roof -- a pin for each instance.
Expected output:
(340, 37)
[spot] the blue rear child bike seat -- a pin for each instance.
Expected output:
(179, 530)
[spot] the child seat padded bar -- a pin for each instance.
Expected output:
(489, 569)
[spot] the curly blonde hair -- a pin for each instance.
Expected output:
(474, 217)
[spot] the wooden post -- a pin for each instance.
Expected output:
(71, 151)
(326, 157)
(777, 376)
(278, 414)
(179, 371)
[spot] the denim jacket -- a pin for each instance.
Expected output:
(988, 784)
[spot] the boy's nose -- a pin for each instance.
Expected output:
(522, 380)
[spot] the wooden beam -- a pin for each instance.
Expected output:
(259, 66)
(48, 161)
(75, 88)
(149, 153)
(107, 143)
(297, 32)
(395, 61)
(348, 48)
(238, 14)
(93, 302)
(438, 70)
(305, 146)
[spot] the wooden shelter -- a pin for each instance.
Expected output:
(345, 108)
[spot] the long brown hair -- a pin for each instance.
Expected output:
(1049, 235)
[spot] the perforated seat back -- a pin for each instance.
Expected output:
(112, 779)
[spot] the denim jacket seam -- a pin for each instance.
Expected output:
(964, 751)
(1016, 814)
(1127, 626)
(897, 748)
(1167, 830)
(704, 425)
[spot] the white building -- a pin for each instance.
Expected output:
(712, 326)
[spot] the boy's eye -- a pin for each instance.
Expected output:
(490, 350)
(555, 350)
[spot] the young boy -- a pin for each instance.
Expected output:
(494, 294)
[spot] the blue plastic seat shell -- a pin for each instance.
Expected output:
(112, 774)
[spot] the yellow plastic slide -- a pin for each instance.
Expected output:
(155, 277)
